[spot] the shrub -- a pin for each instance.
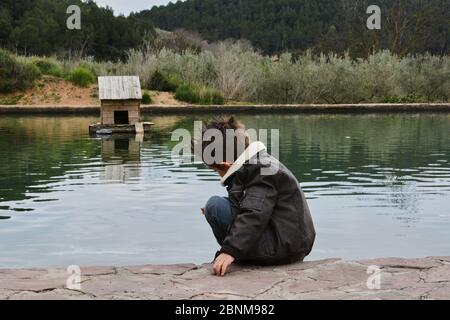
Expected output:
(160, 82)
(147, 98)
(14, 74)
(140, 62)
(81, 77)
(427, 76)
(11, 100)
(200, 95)
(187, 93)
(211, 96)
(94, 95)
(236, 69)
(240, 73)
(280, 82)
(410, 98)
(48, 67)
(173, 82)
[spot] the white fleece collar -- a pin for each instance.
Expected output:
(252, 150)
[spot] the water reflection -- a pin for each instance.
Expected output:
(121, 155)
(378, 185)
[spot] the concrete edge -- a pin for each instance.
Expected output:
(267, 108)
(331, 279)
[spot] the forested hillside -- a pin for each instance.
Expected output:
(408, 26)
(39, 27)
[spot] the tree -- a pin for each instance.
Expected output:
(408, 26)
(35, 32)
(39, 27)
(5, 25)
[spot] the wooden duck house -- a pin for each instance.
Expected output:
(120, 98)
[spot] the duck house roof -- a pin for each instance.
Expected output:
(119, 88)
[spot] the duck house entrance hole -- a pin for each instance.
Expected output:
(122, 144)
(121, 117)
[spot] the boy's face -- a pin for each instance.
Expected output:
(221, 168)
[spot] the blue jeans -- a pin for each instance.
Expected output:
(219, 216)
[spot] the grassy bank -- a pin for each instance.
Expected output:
(235, 72)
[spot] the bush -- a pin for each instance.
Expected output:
(410, 98)
(14, 74)
(81, 77)
(242, 74)
(211, 96)
(48, 67)
(147, 98)
(187, 93)
(159, 82)
(200, 95)
(11, 100)
(426, 76)
(173, 81)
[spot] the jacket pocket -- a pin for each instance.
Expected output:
(253, 202)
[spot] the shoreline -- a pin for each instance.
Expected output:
(331, 279)
(266, 108)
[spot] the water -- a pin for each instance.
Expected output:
(378, 185)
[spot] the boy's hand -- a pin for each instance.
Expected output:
(222, 263)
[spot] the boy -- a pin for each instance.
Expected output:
(265, 219)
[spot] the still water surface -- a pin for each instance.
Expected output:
(378, 185)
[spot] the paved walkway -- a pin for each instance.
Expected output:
(396, 278)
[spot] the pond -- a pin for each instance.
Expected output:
(378, 185)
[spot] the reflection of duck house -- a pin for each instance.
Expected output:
(121, 147)
(121, 154)
(120, 98)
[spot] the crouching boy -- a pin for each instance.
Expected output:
(265, 219)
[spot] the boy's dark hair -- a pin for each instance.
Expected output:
(232, 144)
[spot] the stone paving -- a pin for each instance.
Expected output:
(387, 278)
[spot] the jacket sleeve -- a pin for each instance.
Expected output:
(252, 219)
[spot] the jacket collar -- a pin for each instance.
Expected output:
(252, 150)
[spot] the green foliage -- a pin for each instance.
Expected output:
(233, 71)
(15, 74)
(48, 66)
(81, 77)
(200, 95)
(10, 100)
(242, 74)
(39, 27)
(5, 25)
(321, 25)
(188, 93)
(410, 98)
(161, 82)
(146, 98)
(94, 95)
(210, 96)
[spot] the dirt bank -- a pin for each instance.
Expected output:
(57, 92)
